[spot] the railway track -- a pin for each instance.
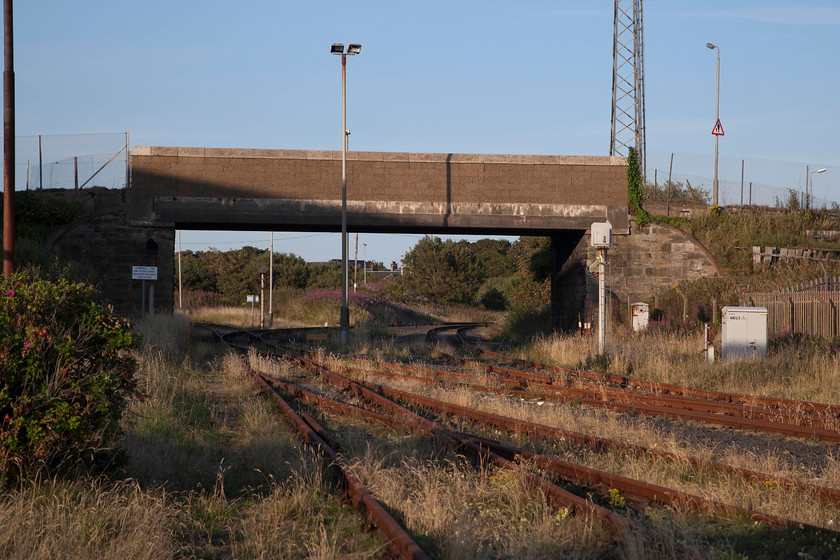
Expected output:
(788, 417)
(382, 406)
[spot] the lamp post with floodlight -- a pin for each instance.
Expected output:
(717, 119)
(344, 318)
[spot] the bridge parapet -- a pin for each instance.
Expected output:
(215, 188)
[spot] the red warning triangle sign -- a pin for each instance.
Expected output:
(718, 129)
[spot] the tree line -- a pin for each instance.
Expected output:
(492, 272)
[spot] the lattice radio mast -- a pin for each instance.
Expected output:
(628, 84)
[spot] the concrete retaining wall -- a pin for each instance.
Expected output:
(648, 262)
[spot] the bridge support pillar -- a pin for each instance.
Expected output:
(568, 281)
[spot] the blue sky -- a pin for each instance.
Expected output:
(525, 77)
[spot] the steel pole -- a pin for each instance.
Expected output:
(8, 144)
(807, 180)
(717, 118)
(345, 308)
(356, 264)
(271, 283)
(602, 300)
(180, 284)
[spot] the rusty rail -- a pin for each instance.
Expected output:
(659, 387)
(362, 500)
(558, 497)
(634, 489)
(828, 495)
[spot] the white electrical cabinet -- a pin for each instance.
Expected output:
(744, 332)
(640, 313)
(601, 234)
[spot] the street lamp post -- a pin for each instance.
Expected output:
(717, 118)
(809, 192)
(364, 276)
(344, 318)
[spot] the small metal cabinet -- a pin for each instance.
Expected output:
(601, 234)
(744, 332)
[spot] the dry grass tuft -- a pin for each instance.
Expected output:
(89, 519)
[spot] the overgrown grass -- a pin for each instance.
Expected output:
(730, 237)
(212, 472)
(715, 536)
(790, 370)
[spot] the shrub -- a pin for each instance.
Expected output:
(494, 300)
(65, 377)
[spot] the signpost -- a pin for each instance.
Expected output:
(144, 273)
(252, 299)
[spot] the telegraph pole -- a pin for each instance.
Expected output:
(8, 144)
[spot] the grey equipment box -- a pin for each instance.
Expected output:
(744, 332)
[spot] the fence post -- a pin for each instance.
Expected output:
(668, 204)
(127, 163)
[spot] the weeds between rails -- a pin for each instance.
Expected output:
(768, 517)
(829, 495)
(578, 474)
(400, 541)
(805, 407)
(784, 416)
(561, 499)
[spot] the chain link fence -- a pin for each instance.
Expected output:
(748, 181)
(71, 161)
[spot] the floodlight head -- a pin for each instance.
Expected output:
(823, 170)
(711, 46)
(337, 48)
(354, 48)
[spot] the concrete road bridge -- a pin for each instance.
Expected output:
(298, 190)
(295, 190)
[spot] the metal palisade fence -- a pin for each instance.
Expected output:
(72, 161)
(810, 308)
(747, 181)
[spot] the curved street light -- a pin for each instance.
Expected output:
(810, 192)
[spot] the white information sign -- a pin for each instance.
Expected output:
(252, 298)
(144, 273)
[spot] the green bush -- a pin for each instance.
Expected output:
(494, 300)
(64, 377)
